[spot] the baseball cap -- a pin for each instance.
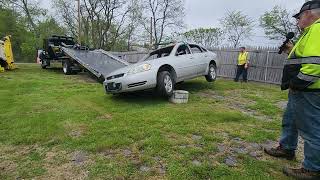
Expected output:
(315, 4)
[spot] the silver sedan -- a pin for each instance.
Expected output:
(163, 68)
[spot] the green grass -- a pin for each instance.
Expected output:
(47, 116)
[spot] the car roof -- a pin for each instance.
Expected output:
(171, 44)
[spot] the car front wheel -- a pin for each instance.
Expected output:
(212, 73)
(165, 84)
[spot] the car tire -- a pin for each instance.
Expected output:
(66, 67)
(165, 84)
(212, 73)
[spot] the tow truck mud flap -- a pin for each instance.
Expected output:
(98, 62)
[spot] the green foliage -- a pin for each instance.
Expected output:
(208, 37)
(50, 27)
(26, 41)
(277, 23)
(9, 25)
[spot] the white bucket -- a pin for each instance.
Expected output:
(179, 97)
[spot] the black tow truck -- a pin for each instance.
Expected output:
(52, 53)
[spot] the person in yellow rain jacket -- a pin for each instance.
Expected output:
(301, 75)
(242, 65)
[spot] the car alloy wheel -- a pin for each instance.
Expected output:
(165, 84)
(168, 84)
(212, 72)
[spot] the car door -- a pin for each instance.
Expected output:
(184, 63)
(200, 57)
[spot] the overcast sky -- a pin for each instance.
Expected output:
(206, 13)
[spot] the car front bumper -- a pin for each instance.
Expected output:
(130, 83)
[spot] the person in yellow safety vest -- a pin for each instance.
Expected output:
(301, 75)
(242, 65)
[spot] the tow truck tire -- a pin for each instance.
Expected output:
(66, 67)
(44, 64)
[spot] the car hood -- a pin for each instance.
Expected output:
(124, 70)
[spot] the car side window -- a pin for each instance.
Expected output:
(183, 50)
(151, 57)
(203, 49)
(195, 49)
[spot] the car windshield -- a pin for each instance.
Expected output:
(163, 52)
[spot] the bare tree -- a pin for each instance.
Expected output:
(134, 15)
(277, 23)
(66, 12)
(116, 12)
(166, 14)
(237, 27)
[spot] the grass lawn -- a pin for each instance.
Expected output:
(54, 126)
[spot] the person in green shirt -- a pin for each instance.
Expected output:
(242, 65)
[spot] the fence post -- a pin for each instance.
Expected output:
(266, 70)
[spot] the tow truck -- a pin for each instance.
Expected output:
(6, 54)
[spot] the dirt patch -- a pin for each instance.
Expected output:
(79, 157)
(229, 151)
(235, 102)
(76, 130)
(161, 166)
(241, 104)
(63, 165)
(7, 167)
(83, 77)
(282, 105)
(105, 117)
(196, 137)
(212, 95)
(133, 155)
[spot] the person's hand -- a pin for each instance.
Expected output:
(246, 66)
(288, 47)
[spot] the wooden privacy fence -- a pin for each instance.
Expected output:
(266, 64)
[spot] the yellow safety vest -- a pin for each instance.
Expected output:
(243, 58)
(307, 53)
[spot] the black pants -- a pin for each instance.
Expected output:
(243, 71)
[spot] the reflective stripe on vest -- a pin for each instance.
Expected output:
(309, 60)
(308, 77)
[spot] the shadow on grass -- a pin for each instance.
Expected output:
(57, 70)
(140, 97)
(85, 75)
(194, 86)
